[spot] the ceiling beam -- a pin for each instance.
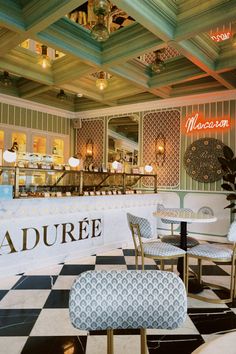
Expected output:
(138, 40)
(67, 69)
(39, 14)
(11, 16)
(152, 15)
(197, 56)
(23, 62)
(28, 89)
(203, 17)
(70, 38)
(176, 71)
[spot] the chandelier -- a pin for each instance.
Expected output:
(44, 59)
(61, 95)
(101, 82)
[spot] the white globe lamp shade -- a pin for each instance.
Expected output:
(115, 164)
(73, 161)
(148, 168)
(9, 156)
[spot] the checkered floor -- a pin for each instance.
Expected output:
(34, 316)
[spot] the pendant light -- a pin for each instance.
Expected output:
(44, 59)
(101, 82)
(5, 79)
(100, 32)
(158, 65)
(61, 95)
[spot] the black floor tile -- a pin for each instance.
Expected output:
(210, 270)
(3, 293)
(58, 345)
(210, 320)
(148, 266)
(177, 344)
(129, 252)
(74, 269)
(58, 299)
(17, 322)
(35, 282)
(110, 260)
(223, 294)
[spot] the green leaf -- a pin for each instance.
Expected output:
(227, 187)
(228, 152)
(231, 196)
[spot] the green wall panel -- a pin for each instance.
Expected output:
(28, 118)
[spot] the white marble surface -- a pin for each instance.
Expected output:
(186, 216)
(77, 213)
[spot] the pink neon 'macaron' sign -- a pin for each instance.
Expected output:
(196, 123)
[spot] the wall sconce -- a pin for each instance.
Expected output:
(160, 149)
(44, 59)
(89, 149)
(10, 154)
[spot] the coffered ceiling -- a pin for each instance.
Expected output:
(194, 62)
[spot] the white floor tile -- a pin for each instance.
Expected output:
(204, 304)
(64, 282)
(9, 282)
(24, 299)
(12, 345)
(55, 322)
(187, 328)
(51, 270)
(124, 344)
(86, 260)
(110, 267)
(115, 252)
(130, 260)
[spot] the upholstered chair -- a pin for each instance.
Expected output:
(215, 253)
(108, 300)
(141, 233)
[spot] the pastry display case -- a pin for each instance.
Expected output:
(40, 182)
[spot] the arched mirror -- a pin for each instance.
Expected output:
(123, 141)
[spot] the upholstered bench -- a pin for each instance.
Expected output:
(108, 300)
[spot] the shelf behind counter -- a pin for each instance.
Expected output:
(36, 181)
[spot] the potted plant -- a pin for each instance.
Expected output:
(228, 165)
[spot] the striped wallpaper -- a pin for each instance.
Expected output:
(33, 119)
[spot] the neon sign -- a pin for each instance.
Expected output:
(196, 123)
(221, 36)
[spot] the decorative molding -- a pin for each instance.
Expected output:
(161, 104)
(20, 102)
(168, 103)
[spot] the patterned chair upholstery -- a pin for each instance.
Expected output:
(107, 300)
(215, 253)
(175, 239)
(141, 230)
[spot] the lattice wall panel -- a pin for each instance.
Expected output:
(167, 123)
(94, 130)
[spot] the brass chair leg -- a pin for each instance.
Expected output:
(110, 342)
(143, 338)
(136, 260)
(162, 265)
(200, 270)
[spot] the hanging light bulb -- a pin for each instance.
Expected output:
(100, 32)
(101, 82)
(5, 79)
(61, 95)
(44, 59)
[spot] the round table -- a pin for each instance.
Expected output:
(185, 217)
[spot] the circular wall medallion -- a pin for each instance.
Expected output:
(201, 160)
